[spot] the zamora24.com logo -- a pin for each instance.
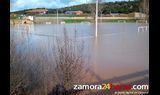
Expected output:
(110, 86)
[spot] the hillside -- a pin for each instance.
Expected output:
(114, 7)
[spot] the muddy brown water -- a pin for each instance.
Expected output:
(118, 50)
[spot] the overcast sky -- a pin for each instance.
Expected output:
(16, 5)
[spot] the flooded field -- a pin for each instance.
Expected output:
(119, 52)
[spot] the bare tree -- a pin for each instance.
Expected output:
(34, 72)
(92, 8)
(144, 7)
(27, 70)
(69, 61)
(17, 76)
(69, 64)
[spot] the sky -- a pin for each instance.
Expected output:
(16, 5)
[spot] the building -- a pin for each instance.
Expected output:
(138, 15)
(74, 12)
(114, 14)
(37, 11)
(29, 18)
(13, 15)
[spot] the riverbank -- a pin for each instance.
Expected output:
(62, 20)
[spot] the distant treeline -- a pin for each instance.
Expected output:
(113, 7)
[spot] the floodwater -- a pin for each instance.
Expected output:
(118, 50)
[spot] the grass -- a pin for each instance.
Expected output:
(14, 17)
(61, 15)
(81, 20)
(75, 20)
(120, 20)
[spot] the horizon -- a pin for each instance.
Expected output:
(20, 5)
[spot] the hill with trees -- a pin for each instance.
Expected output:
(105, 8)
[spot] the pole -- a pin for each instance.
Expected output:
(57, 16)
(57, 23)
(96, 17)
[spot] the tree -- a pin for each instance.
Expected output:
(92, 8)
(144, 7)
(69, 63)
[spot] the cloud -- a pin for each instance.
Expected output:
(16, 5)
